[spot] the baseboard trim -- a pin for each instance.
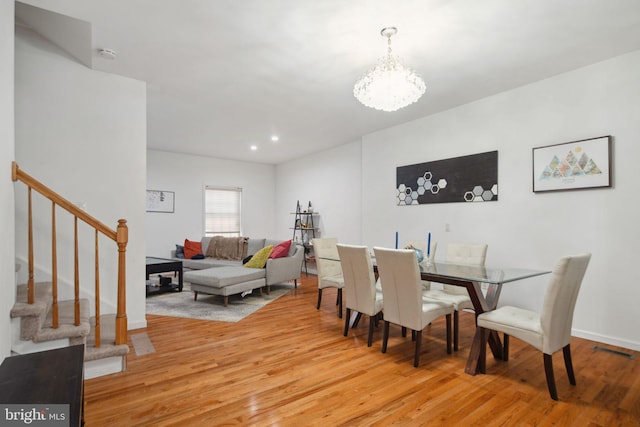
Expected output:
(102, 367)
(604, 339)
(138, 324)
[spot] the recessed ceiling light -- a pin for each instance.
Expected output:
(275, 138)
(254, 147)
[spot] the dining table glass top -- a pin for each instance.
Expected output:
(469, 273)
(474, 273)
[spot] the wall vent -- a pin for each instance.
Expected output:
(616, 352)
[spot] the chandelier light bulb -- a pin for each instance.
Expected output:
(390, 85)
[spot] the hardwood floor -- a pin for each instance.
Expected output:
(289, 365)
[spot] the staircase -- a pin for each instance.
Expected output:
(41, 322)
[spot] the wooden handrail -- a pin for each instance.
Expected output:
(120, 237)
(18, 175)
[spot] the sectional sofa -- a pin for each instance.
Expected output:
(224, 277)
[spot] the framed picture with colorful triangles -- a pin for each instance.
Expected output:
(573, 165)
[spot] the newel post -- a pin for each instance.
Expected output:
(122, 237)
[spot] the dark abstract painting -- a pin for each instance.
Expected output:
(472, 178)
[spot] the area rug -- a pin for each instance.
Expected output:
(211, 307)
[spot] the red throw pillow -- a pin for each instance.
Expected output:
(281, 250)
(191, 248)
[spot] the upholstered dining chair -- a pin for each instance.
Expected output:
(403, 303)
(549, 330)
(329, 269)
(422, 245)
(459, 253)
(360, 288)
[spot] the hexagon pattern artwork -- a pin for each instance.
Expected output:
(461, 179)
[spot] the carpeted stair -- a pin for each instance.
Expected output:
(36, 321)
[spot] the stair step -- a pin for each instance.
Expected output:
(36, 321)
(42, 299)
(66, 328)
(104, 351)
(108, 347)
(32, 316)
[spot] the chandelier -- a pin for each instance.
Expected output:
(390, 85)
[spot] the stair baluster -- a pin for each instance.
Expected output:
(54, 270)
(76, 274)
(97, 293)
(31, 287)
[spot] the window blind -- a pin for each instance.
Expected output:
(223, 212)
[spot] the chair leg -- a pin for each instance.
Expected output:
(416, 358)
(448, 321)
(548, 370)
(404, 332)
(195, 295)
(319, 299)
(455, 330)
(482, 360)
(371, 323)
(357, 320)
(413, 335)
(339, 303)
(566, 351)
(295, 283)
(385, 336)
(505, 348)
(346, 322)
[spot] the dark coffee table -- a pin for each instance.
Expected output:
(162, 265)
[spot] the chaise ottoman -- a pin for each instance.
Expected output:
(225, 281)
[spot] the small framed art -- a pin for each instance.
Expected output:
(160, 201)
(573, 165)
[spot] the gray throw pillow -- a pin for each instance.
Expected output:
(179, 251)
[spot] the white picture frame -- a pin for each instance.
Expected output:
(160, 201)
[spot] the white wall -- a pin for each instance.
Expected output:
(331, 180)
(82, 133)
(7, 250)
(187, 176)
(522, 228)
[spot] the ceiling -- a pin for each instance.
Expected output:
(223, 75)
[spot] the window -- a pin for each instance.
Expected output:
(222, 211)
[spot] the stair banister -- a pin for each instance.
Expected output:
(120, 236)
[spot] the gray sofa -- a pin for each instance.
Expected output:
(222, 277)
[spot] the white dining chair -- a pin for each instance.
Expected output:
(459, 253)
(362, 295)
(403, 303)
(329, 269)
(549, 330)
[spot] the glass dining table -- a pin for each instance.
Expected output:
(474, 278)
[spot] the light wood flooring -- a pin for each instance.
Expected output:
(289, 365)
